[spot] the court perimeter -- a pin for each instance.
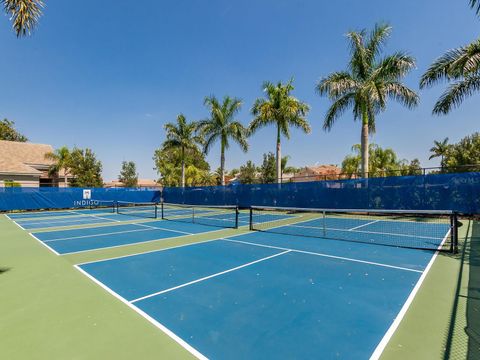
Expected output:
(182, 290)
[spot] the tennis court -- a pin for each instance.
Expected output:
(303, 283)
(275, 293)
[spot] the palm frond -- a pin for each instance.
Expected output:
(456, 94)
(336, 84)
(393, 67)
(377, 40)
(359, 65)
(24, 14)
(448, 66)
(401, 93)
(337, 109)
(475, 4)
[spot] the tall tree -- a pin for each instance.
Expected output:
(440, 149)
(8, 132)
(128, 174)
(222, 126)
(62, 159)
(368, 83)
(248, 173)
(24, 14)
(282, 110)
(268, 169)
(181, 135)
(85, 168)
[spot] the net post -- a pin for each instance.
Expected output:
(156, 211)
(117, 211)
(454, 220)
(193, 214)
(251, 219)
(162, 210)
(236, 217)
(324, 224)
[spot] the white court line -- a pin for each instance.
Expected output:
(143, 242)
(94, 235)
(209, 277)
(82, 220)
(398, 319)
(157, 324)
(360, 226)
(41, 242)
(20, 226)
(361, 231)
(325, 255)
(162, 228)
(149, 228)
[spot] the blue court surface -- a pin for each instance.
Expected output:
(84, 239)
(264, 295)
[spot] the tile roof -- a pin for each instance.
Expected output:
(23, 158)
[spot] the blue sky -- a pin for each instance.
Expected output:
(109, 74)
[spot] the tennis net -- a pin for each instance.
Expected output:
(432, 230)
(220, 216)
(140, 209)
(107, 205)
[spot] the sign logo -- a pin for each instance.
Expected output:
(87, 194)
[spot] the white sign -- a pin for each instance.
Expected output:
(87, 194)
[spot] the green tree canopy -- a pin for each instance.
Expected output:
(383, 162)
(268, 169)
(248, 173)
(62, 159)
(465, 152)
(368, 83)
(128, 174)
(168, 163)
(282, 110)
(24, 14)
(8, 132)
(85, 168)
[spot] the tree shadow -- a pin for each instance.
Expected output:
(3, 270)
(467, 301)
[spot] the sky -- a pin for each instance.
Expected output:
(109, 74)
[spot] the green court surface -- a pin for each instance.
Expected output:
(49, 310)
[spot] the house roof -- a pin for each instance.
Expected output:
(141, 183)
(323, 169)
(23, 158)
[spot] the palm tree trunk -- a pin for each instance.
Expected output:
(222, 164)
(279, 157)
(183, 167)
(364, 145)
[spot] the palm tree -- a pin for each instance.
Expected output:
(368, 83)
(61, 160)
(221, 126)
(440, 149)
(459, 66)
(24, 14)
(281, 109)
(181, 135)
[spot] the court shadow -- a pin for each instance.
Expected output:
(463, 338)
(3, 270)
